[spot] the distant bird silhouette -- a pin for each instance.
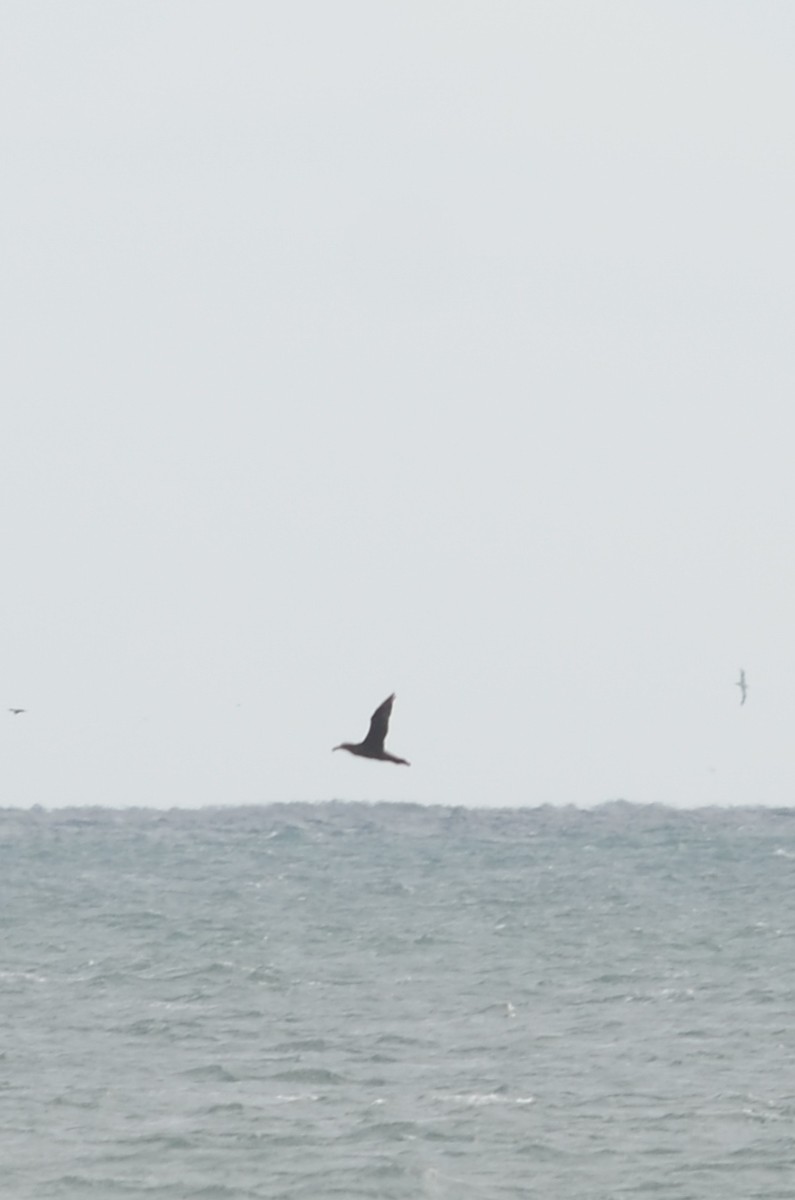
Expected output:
(742, 685)
(17, 711)
(373, 744)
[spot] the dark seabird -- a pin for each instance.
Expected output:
(742, 685)
(17, 711)
(373, 744)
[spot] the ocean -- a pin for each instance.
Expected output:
(392, 1001)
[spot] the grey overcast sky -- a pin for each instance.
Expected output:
(436, 346)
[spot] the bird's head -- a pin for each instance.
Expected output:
(342, 746)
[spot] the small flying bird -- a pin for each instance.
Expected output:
(17, 711)
(373, 744)
(742, 685)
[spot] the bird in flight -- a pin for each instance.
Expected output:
(373, 744)
(742, 685)
(17, 711)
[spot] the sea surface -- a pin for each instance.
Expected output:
(388, 1001)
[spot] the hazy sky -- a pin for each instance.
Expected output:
(442, 347)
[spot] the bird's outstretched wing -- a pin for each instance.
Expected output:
(379, 723)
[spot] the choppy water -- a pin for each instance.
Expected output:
(390, 1001)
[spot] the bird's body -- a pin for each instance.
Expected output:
(742, 685)
(373, 744)
(17, 711)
